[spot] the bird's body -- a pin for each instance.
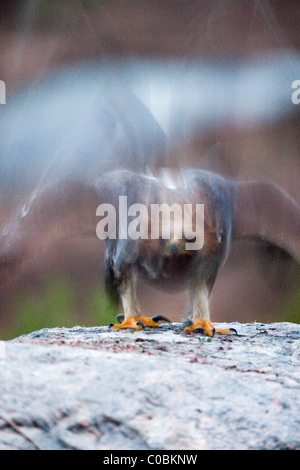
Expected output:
(152, 258)
(232, 210)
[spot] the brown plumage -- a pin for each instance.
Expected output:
(232, 210)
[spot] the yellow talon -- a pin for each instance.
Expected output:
(147, 321)
(130, 322)
(139, 322)
(225, 331)
(207, 327)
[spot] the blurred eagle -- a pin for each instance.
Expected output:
(232, 211)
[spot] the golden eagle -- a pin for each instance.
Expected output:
(232, 210)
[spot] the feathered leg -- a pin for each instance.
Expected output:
(201, 318)
(132, 317)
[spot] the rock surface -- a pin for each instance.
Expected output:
(94, 388)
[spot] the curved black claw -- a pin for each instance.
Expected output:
(140, 323)
(158, 318)
(200, 330)
(110, 325)
(188, 322)
(120, 318)
(233, 330)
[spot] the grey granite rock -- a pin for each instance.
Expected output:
(95, 388)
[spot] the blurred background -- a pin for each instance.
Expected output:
(98, 85)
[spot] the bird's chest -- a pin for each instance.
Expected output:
(166, 272)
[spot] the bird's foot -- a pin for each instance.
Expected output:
(139, 322)
(130, 322)
(153, 322)
(206, 327)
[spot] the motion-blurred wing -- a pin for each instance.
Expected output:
(264, 210)
(63, 210)
(79, 123)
